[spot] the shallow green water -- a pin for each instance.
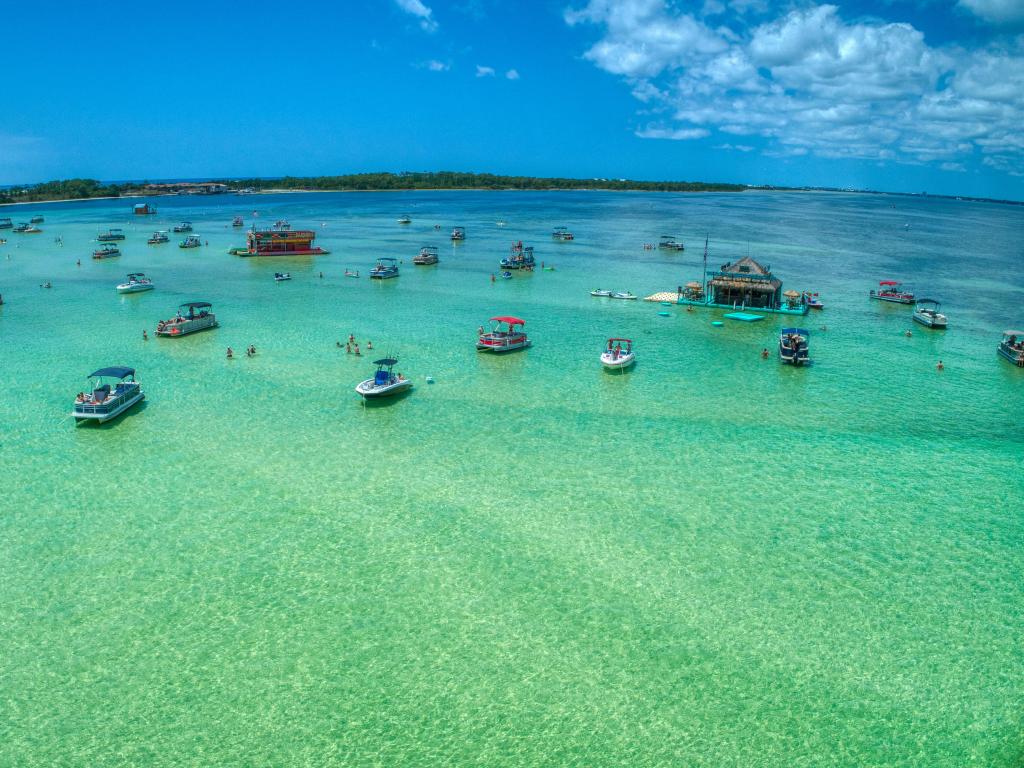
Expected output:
(711, 560)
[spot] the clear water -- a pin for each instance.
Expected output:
(711, 560)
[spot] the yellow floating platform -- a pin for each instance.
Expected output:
(664, 296)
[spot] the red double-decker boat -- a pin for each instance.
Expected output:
(503, 336)
(892, 290)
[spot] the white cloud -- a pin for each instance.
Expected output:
(437, 66)
(998, 12)
(812, 83)
(512, 74)
(676, 134)
(737, 147)
(484, 71)
(419, 10)
(953, 167)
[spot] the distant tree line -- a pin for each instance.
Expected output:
(80, 189)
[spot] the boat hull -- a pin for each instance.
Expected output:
(1017, 358)
(611, 362)
(100, 414)
(499, 347)
(184, 329)
(930, 322)
(892, 299)
(382, 275)
(371, 391)
(137, 288)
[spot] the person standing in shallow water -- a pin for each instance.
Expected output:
(231, 353)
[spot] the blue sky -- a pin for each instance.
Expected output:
(904, 95)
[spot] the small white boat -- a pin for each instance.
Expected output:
(599, 292)
(927, 313)
(282, 276)
(506, 275)
(614, 356)
(459, 234)
(137, 282)
(104, 401)
(405, 220)
(624, 295)
(385, 382)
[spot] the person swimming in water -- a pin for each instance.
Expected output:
(940, 366)
(145, 336)
(231, 353)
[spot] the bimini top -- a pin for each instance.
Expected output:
(388, 258)
(1013, 333)
(509, 320)
(798, 331)
(117, 371)
(386, 361)
(136, 274)
(889, 282)
(197, 304)
(629, 341)
(928, 301)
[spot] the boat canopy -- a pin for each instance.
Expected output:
(928, 301)
(799, 331)
(388, 258)
(386, 361)
(117, 371)
(889, 282)
(791, 294)
(1013, 333)
(196, 304)
(136, 274)
(628, 341)
(508, 319)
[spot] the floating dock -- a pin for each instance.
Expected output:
(675, 298)
(746, 317)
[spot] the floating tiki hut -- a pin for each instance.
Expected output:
(694, 292)
(746, 284)
(144, 209)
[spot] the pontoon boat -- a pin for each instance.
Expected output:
(669, 243)
(459, 233)
(5, 223)
(520, 257)
(561, 233)
(110, 236)
(137, 282)
(1012, 347)
(192, 316)
(927, 313)
(190, 242)
(503, 339)
(36, 220)
(384, 382)
(158, 237)
(427, 255)
(185, 226)
(104, 401)
(614, 356)
(385, 268)
(106, 252)
(892, 290)
(793, 346)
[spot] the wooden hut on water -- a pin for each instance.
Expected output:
(745, 283)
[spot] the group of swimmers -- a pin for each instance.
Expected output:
(352, 346)
(250, 351)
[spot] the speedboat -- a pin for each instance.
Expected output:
(624, 295)
(36, 220)
(503, 336)
(793, 346)
(614, 356)
(561, 233)
(459, 233)
(110, 235)
(1012, 347)
(192, 316)
(185, 226)
(385, 382)
(927, 313)
(669, 243)
(237, 222)
(405, 220)
(31, 230)
(137, 282)
(106, 252)
(190, 242)
(506, 275)
(104, 401)
(23, 227)
(5, 223)
(282, 276)
(599, 292)
(892, 290)
(427, 255)
(385, 268)
(158, 237)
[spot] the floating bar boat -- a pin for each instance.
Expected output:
(892, 291)
(926, 312)
(427, 255)
(104, 401)
(614, 356)
(793, 346)
(385, 382)
(1012, 347)
(188, 320)
(282, 240)
(110, 235)
(503, 336)
(385, 268)
(143, 209)
(137, 282)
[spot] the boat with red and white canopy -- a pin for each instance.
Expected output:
(892, 290)
(618, 354)
(504, 336)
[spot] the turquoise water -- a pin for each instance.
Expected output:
(711, 560)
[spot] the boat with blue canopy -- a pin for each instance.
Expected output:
(110, 235)
(520, 257)
(927, 313)
(793, 348)
(112, 391)
(385, 381)
(385, 268)
(192, 316)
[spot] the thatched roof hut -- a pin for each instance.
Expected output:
(745, 282)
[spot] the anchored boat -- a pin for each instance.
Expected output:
(280, 277)
(892, 291)
(105, 401)
(185, 226)
(137, 282)
(427, 255)
(237, 222)
(405, 220)
(459, 234)
(5, 223)
(520, 257)
(190, 242)
(600, 292)
(1012, 347)
(106, 252)
(793, 346)
(927, 313)
(110, 235)
(192, 316)
(503, 336)
(614, 356)
(627, 295)
(158, 237)
(36, 220)
(563, 234)
(385, 382)
(282, 240)
(384, 269)
(669, 243)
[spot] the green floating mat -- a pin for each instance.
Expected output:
(717, 323)
(665, 314)
(746, 317)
